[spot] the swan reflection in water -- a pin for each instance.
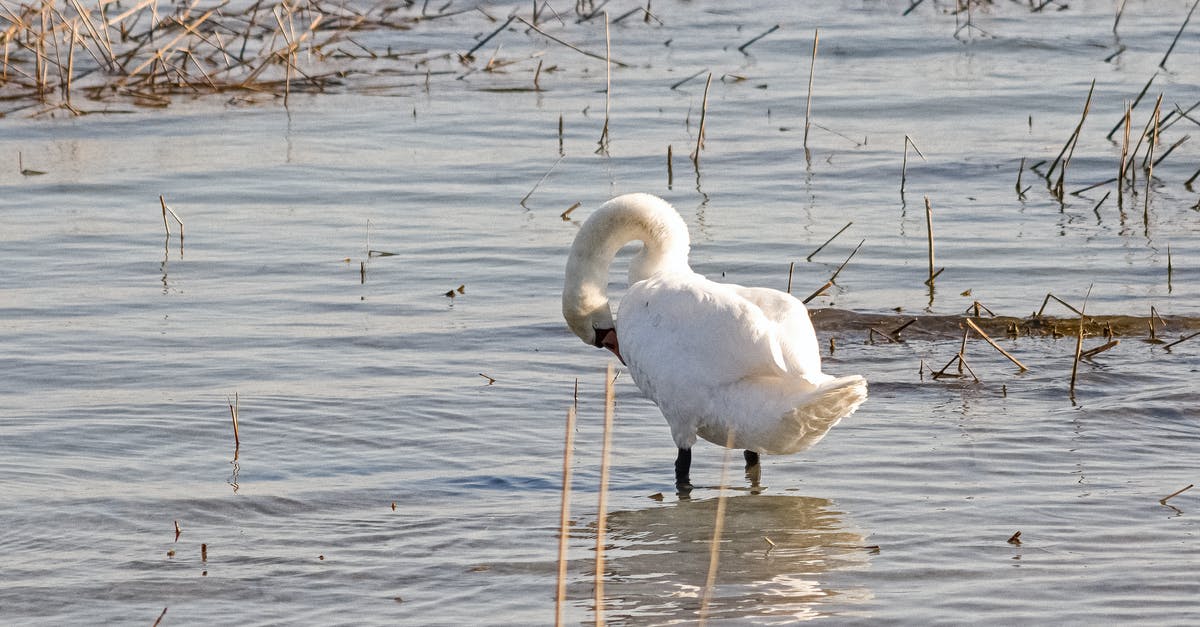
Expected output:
(657, 560)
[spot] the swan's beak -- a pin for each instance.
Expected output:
(607, 338)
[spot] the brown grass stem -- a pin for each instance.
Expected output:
(1164, 499)
(811, 71)
(820, 290)
(989, 340)
(904, 163)
(822, 246)
(541, 180)
(929, 230)
(670, 167)
(1064, 303)
(1092, 352)
(602, 505)
(791, 267)
(1163, 64)
(1069, 147)
(233, 413)
(703, 116)
(1181, 340)
(742, 48)
(1133, 106)
(566, 215)
(833, 278)
(564, 517)
(607, 83)
(483, 42)
(556, 40)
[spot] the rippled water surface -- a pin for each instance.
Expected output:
(400, 455)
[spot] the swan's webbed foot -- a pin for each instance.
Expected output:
(753, 469)
(683, 471)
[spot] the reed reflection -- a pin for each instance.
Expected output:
(774, 554)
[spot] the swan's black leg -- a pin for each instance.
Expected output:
(753, 469)
(683, 469)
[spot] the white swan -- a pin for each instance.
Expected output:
(721, 361)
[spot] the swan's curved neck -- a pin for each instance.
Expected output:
(633, 217)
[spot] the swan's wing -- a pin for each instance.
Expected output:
(683, 327)
(793, 330)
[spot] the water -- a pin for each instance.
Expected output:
(382, 479)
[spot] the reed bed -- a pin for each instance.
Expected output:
(145, 54)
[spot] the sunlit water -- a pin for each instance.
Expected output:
(383, 478)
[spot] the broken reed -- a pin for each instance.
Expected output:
(808, 106)
(703, 118)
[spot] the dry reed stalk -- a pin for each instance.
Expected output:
(1170, 149)
(1124, 153)
(233, 413)
(676, 85)
(1092, 352)
(839, 268)
(929, 229)
(1061, 301)
(607, 83)
(1181, 340)
(703, 116)
(178, 531)
(822, 246)
(811, 70)
(560, 134)
(896, 332)
(1020, 171)
(742, 48)
(820, 290)
(1117, 20)
(1078, 353)
(566, 215)
(503, 26)
(989, 340)
(904, 163)
(602, 505)
(670, 168)
(166, 225)
(791, 266)
(1150, 168)
(1069, 147)
(540, 181)
(1163, 500)
(714, 553)
(1169, 269)
(160, 617)
(1134, 105)
(569, 45)
(1163, 64)
(564, 518)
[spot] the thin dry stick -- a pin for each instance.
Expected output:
(607, 83)
(602, 506)
(571, 46)
(542, 180)
(929, 228)
(1069, 148)
(975, 327)
(1150, 168)
(820, 290)
(1078, 354)
(1092, 352)
(1020, 171)
(791, 266)
(742, 48)
(904, 163)
(1061, 301)
(164, 214)
(808, 107)
(714, 553)
(822, 246)
(1168, 497)
(839, 269)
(703, 115)
(1120, 10)
(1163, 64)
(563, 518)
(1182, 340)
(670, 168)
(233, 413)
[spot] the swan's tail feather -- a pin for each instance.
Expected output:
(808, 423)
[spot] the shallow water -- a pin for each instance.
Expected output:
(381, 479)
